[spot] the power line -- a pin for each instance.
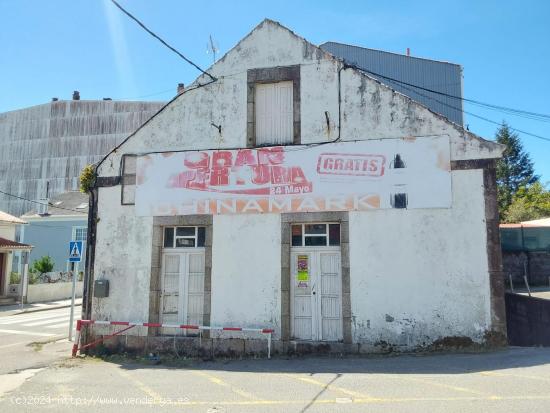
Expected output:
(161, 40)
(41, 203)
(519, 112)
(468, 113)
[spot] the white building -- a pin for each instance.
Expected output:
(368, 223)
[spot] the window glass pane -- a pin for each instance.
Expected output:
(316, 229)
(296, 235)
(185, 231)
(334, 234)
(80, 234)
(201, 236)
(185, 242)
(168, 237)
(315, 241)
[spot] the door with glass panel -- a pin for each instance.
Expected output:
(316, 282)
(182, 289)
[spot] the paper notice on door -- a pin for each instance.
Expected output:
(303, 270)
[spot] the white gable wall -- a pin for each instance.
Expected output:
(416, 275)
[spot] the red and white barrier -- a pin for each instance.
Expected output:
(130, 324)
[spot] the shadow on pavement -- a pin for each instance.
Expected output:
(513, 357)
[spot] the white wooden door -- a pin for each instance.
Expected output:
(316, 303)
(182, 287)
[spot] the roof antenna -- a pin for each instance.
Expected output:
(212, 48)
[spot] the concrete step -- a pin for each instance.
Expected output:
(7, 300)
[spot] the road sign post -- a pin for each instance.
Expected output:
(75, 255)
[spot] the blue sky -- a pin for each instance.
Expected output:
(50, 48)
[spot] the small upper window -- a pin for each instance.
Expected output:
(274, 116)
(184, 237)
(315, 235)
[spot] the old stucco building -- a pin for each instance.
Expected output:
(364, 221)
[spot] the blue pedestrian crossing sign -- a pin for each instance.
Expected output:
(75, 251)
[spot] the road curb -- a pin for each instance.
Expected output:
(35, 310)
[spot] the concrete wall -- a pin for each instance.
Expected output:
(124, 258)
(246, 271)
(416, 275)
(411, 281)
(37, 293)
(7, 231)
(52, 238)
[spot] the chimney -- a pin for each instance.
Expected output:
(408, 51)
(181, 88)
(55, 99)
(76, 95)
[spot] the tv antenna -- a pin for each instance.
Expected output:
(212, 48)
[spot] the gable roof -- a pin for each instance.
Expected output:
(204, 80)
(10, 219)
(68, 204)
(8, 244)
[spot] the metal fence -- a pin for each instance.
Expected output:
(525, 239)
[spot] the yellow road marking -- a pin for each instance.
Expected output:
(331, 387)
(140, 385)
(353, 401)
(518, 376)
(444, 386)
(220, 382)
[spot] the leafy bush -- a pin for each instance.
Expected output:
(15, 277)
(34, 277)
(42, 265)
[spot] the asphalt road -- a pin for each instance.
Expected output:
(18, 332)
(515, 380)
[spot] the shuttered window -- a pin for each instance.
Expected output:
(274, 113)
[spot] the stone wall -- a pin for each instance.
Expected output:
(535, 263)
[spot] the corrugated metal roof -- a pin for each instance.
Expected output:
(442, 77)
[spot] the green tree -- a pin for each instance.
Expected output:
(514, 170)
(529, 203)
(43, 265)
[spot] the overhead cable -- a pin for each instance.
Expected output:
(130, 15)
(41, 203)
(464, 111)
(533, 115)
